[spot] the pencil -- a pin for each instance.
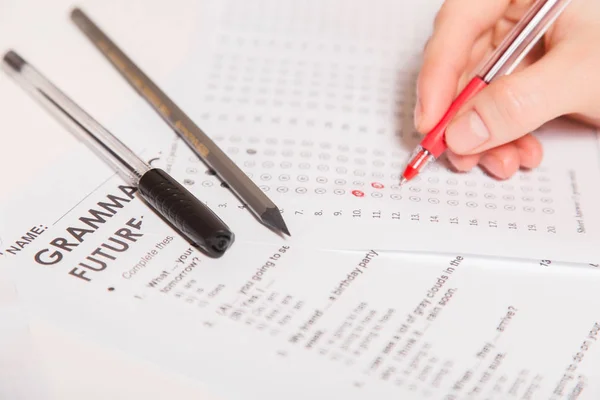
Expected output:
(214, 158)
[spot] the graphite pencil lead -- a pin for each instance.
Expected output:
(273, 219)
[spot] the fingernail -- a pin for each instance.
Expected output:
(467, 133)
(494, 166)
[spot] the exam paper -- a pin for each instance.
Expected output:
(21, 374)
(314, 102)
(350, 190)
(434, 217)
(96, 260)
(287, 321)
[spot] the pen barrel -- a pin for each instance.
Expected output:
(108, 147)
(522, 38)
(185, 212)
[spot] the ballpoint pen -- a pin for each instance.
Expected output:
(192, 218)
(526, 33)
(242, 186)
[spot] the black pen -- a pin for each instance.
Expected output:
(192, 218)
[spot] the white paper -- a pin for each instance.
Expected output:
(321, 119)
(293, 323)
(319, 115)
(265, 314)
(21, 374)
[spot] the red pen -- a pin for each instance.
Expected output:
(503, 61)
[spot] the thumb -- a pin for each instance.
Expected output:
(515, 105)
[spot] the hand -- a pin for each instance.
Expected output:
(560, 76)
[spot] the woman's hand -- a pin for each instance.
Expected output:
(560, 76)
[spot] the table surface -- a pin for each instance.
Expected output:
(42, 33)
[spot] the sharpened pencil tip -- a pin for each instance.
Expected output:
(13, 60)
(273, 219)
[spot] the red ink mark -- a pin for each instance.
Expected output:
(377, 185)
(358, 193)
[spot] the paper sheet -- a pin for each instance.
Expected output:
(21, 375)
(319, 115)
(321, 119)
(292, 322)
(359, 323)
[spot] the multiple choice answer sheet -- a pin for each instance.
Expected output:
(350, 189)
(321, 119)
(455, 286)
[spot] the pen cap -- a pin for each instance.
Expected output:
(522, 38)
(202, 227)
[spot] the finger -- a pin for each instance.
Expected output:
(458, 25)
(515, 105)
(530, 151)
(501, 162)
(462, 163)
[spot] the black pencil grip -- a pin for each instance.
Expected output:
(201, 226)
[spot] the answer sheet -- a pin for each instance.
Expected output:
(315, 103)
(456, 286)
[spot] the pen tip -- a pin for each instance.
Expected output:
(14, 61)
(273, 219)
(403, 181)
